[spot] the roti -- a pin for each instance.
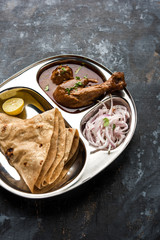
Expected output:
(60, 181)
(60, 150)
(26, 147)
(70, 132)
(39, 148)
(51, 154)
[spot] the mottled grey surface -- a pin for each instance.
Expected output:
(123, 202)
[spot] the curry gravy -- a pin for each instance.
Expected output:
(81, 71)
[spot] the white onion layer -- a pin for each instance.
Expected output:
(110, 136)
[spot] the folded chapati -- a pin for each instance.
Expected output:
(51, 175)
(4, 118)
(26, 147)
(62, 158)
(39, 148)
(60, 181)
(52, 152)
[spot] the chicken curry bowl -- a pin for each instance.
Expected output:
(76, 87)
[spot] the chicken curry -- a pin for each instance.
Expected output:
(76, 86)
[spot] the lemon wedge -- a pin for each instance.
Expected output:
(13, 106)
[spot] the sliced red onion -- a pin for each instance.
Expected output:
(111, 136)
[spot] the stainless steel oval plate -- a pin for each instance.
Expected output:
(89, 162)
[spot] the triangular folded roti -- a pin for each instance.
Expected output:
(56, 171)
(54, 121)
(52, 152)
(61, 178)
(60, 150)
(74, 146)
(26, 147)
(4, 118)
(39, 148)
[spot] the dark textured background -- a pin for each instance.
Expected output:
(123, 202)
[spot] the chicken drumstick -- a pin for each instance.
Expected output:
(74, 94)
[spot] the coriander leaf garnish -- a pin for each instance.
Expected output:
(85, 77)
(77, 71)
(77, 77)
(76, 85)
(105, 122)
(63, 70)
(114, 126)
(46, 88)
(68, 90)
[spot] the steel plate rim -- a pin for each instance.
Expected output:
(71, 185)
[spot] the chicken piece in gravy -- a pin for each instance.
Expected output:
(61, 74)
(74, 94)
